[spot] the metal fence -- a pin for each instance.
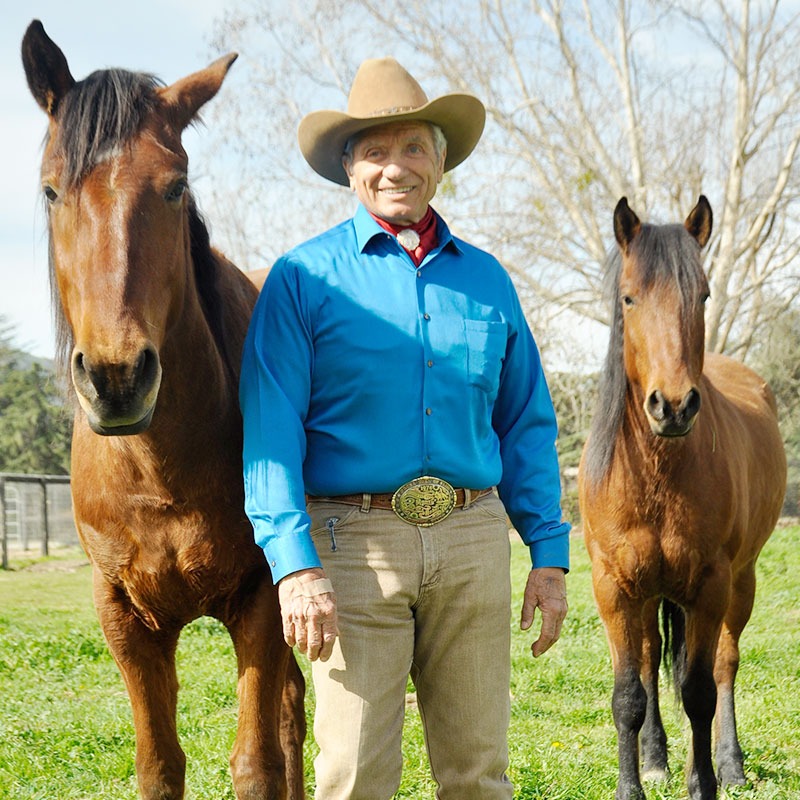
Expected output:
(35, 513)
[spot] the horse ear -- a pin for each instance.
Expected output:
(626, 224)
(186, 96)
(46, 68)
(700, 220)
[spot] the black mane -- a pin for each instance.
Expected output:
(100, 113)
(664, 253)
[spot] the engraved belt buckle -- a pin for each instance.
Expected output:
(424, 501)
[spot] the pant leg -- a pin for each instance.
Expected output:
(462, 660)
(360, 691)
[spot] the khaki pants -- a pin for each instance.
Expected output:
(433, 603)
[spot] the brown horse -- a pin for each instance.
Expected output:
(151, 325)
(681, 483)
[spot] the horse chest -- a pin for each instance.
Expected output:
(653, 546)
(173, 563)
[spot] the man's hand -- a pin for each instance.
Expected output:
(546, 590)
(308, 610)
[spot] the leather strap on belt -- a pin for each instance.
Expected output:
(384, 501)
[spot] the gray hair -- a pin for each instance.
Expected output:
(439, 142)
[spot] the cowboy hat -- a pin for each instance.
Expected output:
(382, 92)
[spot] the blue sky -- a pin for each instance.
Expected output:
(169, 38)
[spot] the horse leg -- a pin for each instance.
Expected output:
(146, 661)
(730, 763)
(258, 764)
(653, 739)
(698, 689)
(623, 623)
(293, 728)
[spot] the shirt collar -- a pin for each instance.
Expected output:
(367, 229)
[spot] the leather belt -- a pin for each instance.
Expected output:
(384, 501)
(422, 501)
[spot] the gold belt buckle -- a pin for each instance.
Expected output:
(424, 501)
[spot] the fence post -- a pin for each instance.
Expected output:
(45, 521)
(3, 522)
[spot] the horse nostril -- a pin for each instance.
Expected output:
(146, 367)
(77, 362)
(691, 404)
(657, 406)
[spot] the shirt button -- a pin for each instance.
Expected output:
(430, 363)
(428, 411)
(419, 273)
(426, 316)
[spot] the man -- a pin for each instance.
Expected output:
(389, 382)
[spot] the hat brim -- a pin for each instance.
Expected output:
(322, 134)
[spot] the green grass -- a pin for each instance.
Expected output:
(66, 732)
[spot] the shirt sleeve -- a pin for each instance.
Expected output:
(525, 422)
(274, 391)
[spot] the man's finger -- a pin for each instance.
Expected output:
(548, 636)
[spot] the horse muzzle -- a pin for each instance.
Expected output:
(670, 419)
(117, 396)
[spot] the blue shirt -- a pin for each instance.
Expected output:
(361, 371)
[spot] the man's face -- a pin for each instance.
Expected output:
(394, 171)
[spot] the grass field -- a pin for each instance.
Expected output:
(66, 733)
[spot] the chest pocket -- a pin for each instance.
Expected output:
(486, 347)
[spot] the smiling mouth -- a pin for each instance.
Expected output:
(398, 190)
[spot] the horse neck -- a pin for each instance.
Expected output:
(198, 400)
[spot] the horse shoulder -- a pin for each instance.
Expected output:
(743, 423)
(742, 397)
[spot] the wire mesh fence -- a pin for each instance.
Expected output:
(35, 514)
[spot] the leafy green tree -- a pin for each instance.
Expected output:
(35, 425)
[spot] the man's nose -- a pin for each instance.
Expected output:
(394, 169)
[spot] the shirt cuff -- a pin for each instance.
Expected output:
(552, 551)
(290, 553)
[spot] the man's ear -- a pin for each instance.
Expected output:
(347, 163)
(442, 159)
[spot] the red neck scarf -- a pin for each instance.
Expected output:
(425, 229)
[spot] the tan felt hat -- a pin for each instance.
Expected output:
(382, 92)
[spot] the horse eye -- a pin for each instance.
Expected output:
(628, 300)
(176, 191)
(50, 193)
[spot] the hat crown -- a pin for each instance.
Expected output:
(382, 87)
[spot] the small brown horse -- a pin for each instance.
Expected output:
(151, 325)
(681, 483)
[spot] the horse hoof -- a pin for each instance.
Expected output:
(731, 777)
(655, 775)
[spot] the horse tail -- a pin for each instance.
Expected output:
(673, 622)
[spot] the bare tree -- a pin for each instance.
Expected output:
(587, 101)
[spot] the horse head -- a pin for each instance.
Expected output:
(662, 290)
(114, 177)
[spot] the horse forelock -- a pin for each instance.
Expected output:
(98, 115)
(663, 254)
(668, 254)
